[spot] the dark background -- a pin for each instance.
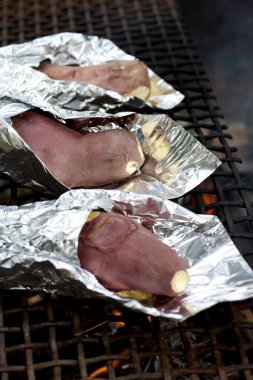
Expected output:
(223, 33)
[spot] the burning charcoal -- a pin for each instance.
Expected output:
(125, 256)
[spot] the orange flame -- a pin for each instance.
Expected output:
(118, 313)
(102, 370)
(206, 198)
(149, 318)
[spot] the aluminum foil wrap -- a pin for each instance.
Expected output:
(21, 82)
(175, 162)
(38, 250)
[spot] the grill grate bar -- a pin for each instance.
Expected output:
(53, 342)
(27, 339)
(80, 347)
(3, 361)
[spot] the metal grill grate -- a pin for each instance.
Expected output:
(43, 340)
(57, 340)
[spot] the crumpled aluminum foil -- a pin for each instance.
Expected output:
(175, 163)
(38, 250)
(21, 82)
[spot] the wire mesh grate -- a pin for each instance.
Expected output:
(96, 340)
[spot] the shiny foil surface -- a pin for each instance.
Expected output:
(38, 250)
(175, 161)
(20, 81)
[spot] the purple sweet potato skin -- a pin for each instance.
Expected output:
(120, 76)
(76, 160)
(124, 255)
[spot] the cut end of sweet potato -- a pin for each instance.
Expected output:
(143, 297)
(141, 92)
(179, 281)
(132, 167)
(92, 215)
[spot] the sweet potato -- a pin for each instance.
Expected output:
(128, 78)
(90, 160)
(124, 255)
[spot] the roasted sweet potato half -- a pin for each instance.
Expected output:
(128, 78)
(76, 160)
(125, 256)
